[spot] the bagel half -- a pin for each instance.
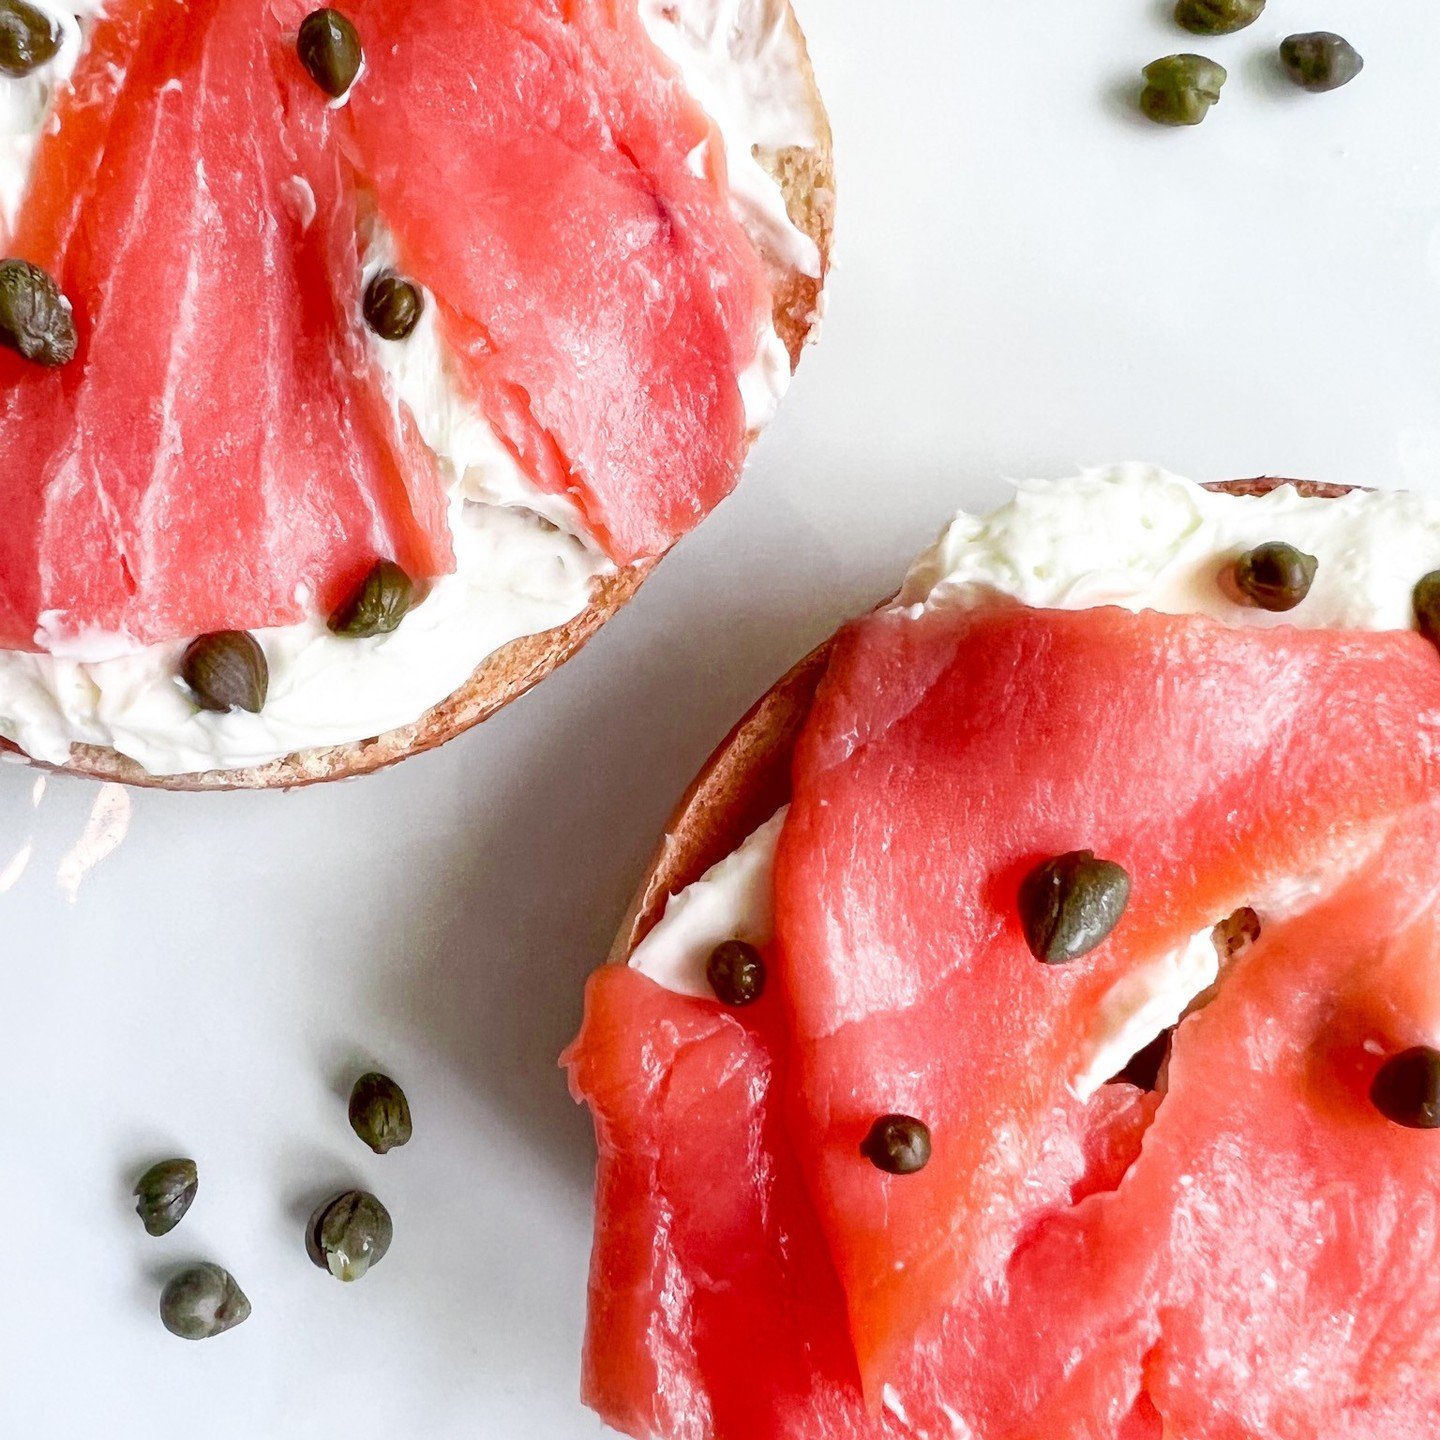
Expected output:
(747, 778)
(806, 178)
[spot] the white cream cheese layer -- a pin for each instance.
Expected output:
(1141, 538)
(524, 562)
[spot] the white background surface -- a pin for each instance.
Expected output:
(1030, 278)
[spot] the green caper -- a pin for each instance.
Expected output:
(1275, 576)
(392, 305)
(379, 1112)
(1236, 931)
(226, 671)
(163, 1195)
(1068, 905)
(35, 318)
(897, 1144)
(1320, 61)
(1217, 17)
(1180, 89)
(348, 1234)
(29, 38)
(1406, 1088)
(377, 604)
(1427, 606)
(329, 48)
(736, 972)
(202, 1301)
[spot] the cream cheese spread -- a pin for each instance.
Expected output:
(524, 561)
(1141, 538)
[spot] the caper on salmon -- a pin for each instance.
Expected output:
(1320, 61)
(1426, 600)
(1180, 89)
(392, 305)
(377, 604)
(226, 670)
(348, 1234)
(1217, 17)
(379, 1112)
(1406, 1088)
(202, 1301)
(1069, 904)
(329, 49)
(35, 318)
(736, 972)
(897, 1144)
(164, 1193)
(1274, 576)
(29, 38)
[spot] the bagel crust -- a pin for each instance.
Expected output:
(806, 177)
(747, 778)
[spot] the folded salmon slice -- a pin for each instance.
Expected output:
(945, 756)
(220, 451)
(574, 223)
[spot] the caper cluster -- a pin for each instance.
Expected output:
(347, 1235)
(1180, 89)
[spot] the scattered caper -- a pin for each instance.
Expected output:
(378, 603)
(1427, 606)
(28, 38)
(1320, 61)
(1180, 89)
(897, 1144)
(1217, 17)
(202, 1301)
(392, 306)
(1143, 1068)
(163, 1195)
(1275, 576)
(1068, 905)
(1406, 1088)
(379, 1112)
(348, 1234)
(329, 48)
(35, 317)
(225, 671)
(736, 972)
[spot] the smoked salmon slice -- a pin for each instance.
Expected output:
(1254, 1249)
(222, 453)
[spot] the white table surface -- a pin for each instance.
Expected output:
(1030, 278)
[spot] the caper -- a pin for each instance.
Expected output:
(379, 1112)
(1236, 931)
(348, 1234)
(1426, 600)
(1406, 1088)
(897, 1144)
(202, 1301)
(1320, 61)
(35, 318)
(736, 972)
(392, 306)
(1068, 905)
(163, 1195)
(1217, 17)
(1180, 89)
(329, 48)
(377, 604)
(28, 38)
(1143, 1068)
(226, 671)
(1275, 576)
